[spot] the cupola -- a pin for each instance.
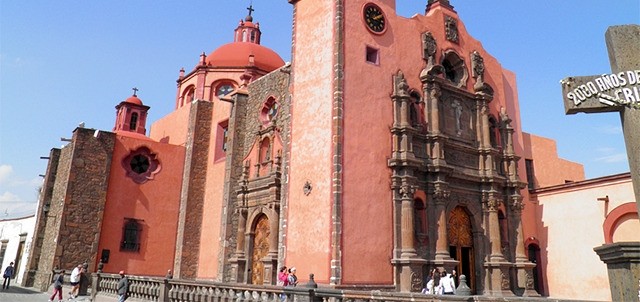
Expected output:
(131, 115)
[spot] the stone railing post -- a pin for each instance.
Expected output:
(163, 293)
(95, 285)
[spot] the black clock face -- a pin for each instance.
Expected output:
(374, 18)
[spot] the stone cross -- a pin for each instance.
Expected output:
(618, 91)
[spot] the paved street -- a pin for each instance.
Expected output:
(22, 294)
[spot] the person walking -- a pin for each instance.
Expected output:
(75, 281)
(123, 287)
(8, 274)
(57, 286)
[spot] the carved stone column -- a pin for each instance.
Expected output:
(497, 280)
(239, 259)
(442, 258)
(409, 267)
(524, 285)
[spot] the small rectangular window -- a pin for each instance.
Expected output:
(222, 141)
(373, 55)
(131, 235)
(528, 163)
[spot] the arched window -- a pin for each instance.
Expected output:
(454, 69)
(134, 121)
(130, 235)
(188, 95)
(534, 256)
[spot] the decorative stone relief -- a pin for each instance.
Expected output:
(493, 204)
(451, 29)
(429, 49)
(505, 280)
(416, 281)
(477, 65)
(400, 84)
(406, 191)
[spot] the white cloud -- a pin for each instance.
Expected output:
(613, 158)
(8, 197)
(5, 172)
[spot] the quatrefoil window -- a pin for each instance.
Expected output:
(141, 165)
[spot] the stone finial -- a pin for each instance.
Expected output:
(429, 49)
(400, 86)
(312, 283)
(463, 289)
(477, 65)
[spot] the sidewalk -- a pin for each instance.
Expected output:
(26, 294)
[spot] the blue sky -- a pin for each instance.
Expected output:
(66, 62)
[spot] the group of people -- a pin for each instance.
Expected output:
(440, 283)
(287, 277)
(74, 280)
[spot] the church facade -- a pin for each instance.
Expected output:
(387, 147)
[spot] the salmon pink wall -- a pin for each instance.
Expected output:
(155, 203)
(368, 117)
(549, 169)
(572, 216)
(172, 128)
(213, 200)
(308, 221)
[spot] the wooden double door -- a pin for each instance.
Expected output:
(460, 237)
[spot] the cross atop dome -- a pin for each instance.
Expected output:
(135, 91)
(249, 18)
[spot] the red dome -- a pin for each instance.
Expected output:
(237, 54)
(134, 100)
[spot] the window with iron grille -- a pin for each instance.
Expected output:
(131, 235)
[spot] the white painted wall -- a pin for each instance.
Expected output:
(11, 229)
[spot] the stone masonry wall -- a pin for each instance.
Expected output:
(193, 189)
(244, 127)
(77, 204)
(41, 217)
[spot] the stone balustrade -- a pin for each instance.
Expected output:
(104, 288)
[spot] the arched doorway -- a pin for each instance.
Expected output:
(260, 248)
(534, 257)
(461, 244)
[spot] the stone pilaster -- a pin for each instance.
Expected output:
(193, 189)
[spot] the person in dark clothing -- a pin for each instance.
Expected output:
(123, 287)
(57, 286)
(8, 274)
